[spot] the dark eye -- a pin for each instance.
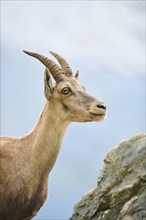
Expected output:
(65, 91)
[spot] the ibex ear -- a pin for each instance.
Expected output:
(77, 74)
(48, 87)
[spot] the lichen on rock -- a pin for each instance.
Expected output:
(121, 187)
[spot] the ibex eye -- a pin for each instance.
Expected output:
(65, 91)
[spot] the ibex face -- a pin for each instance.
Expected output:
(67, 95)
(75, 103)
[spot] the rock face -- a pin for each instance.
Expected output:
(121, 188)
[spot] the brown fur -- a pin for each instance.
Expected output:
(27, 161)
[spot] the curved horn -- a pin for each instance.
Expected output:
(53, 67)
(63, 63)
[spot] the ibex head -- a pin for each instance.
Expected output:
(67, 94)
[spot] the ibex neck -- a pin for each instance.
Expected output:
(48, 135)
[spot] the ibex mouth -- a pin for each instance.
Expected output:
(96, 114)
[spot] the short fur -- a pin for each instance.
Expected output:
(27, 161)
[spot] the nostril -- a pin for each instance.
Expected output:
(101, 106)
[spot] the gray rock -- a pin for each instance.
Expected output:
(121, 188)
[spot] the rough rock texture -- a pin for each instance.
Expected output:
(121, 186)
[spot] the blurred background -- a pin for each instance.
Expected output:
(105, 40)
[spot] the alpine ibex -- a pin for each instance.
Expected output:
(27, 161)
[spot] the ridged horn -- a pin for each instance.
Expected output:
(63, 63)
(53, 67)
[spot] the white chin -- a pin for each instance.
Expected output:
(100, 118)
